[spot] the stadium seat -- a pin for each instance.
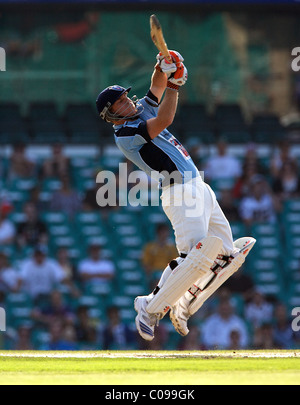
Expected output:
(43, 112)
(82, 123)
(229, 111)
(293, 295)
(53, 217)
(13, 127)
(267, 129)
(238, 135)
(18, 198)
(22, 184)
(18, 308)
(192, 120)
(267, 274)
(9, 111)
(50, 184)
(238, 229)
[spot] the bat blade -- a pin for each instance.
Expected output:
(158, 37)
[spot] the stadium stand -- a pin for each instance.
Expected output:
(58, 108)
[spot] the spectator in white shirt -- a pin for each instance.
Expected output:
(40, 275)
(9, 279)
(217, 328)
(222, 165)
(258, 206)
(94, 269)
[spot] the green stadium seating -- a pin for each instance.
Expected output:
(268, 276)
(238, 229)
(18, 308)
(43, 112)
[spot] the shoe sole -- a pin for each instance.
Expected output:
(176, 324)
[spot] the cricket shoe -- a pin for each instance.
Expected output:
(179, 315)
(145, 322)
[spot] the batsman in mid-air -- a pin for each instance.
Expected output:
(207, 254)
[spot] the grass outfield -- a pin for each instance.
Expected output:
(150, 368)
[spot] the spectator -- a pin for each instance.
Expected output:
(258, 206)
(40, 275)
(229, 206)
(91, 203)
(63, 259)
(158, 253)
(250, 168)
(222, 165)
(66, 199)
(287, 184)
(284, 336)
(251, 159)
(115, 334)
(85, 328)
(158, 343)
(9, 278)
(283, 153)
(57, 165)
(23, 338)
(20, 165)
(258, 310)
(55, 310)
(217, 328)
(62, 337)
(192, 340)
(32, 231)
(38, 199)
(94, 269)
(263, 337)
(240, 283)
(235, 340)
(7, 228)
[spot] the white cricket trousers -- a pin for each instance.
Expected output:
(194, 213)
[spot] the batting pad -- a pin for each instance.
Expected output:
(244, 245)
(196, 264)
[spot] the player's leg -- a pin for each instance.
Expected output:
(180, 203)
(145, 322)
(221, 271)
(192, 301)
(188, 207)
(182, 273)
(197, 264)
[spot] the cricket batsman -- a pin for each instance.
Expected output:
(207, 255)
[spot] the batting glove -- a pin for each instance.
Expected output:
(179, 77)
(167, 67)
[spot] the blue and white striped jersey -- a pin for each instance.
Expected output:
(159, 157)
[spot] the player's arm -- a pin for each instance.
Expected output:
(166, 77)
(165, 115)
(158, 83)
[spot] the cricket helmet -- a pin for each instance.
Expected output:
(107, 98)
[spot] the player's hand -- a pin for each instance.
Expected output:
(179, 77)
(166, 66)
